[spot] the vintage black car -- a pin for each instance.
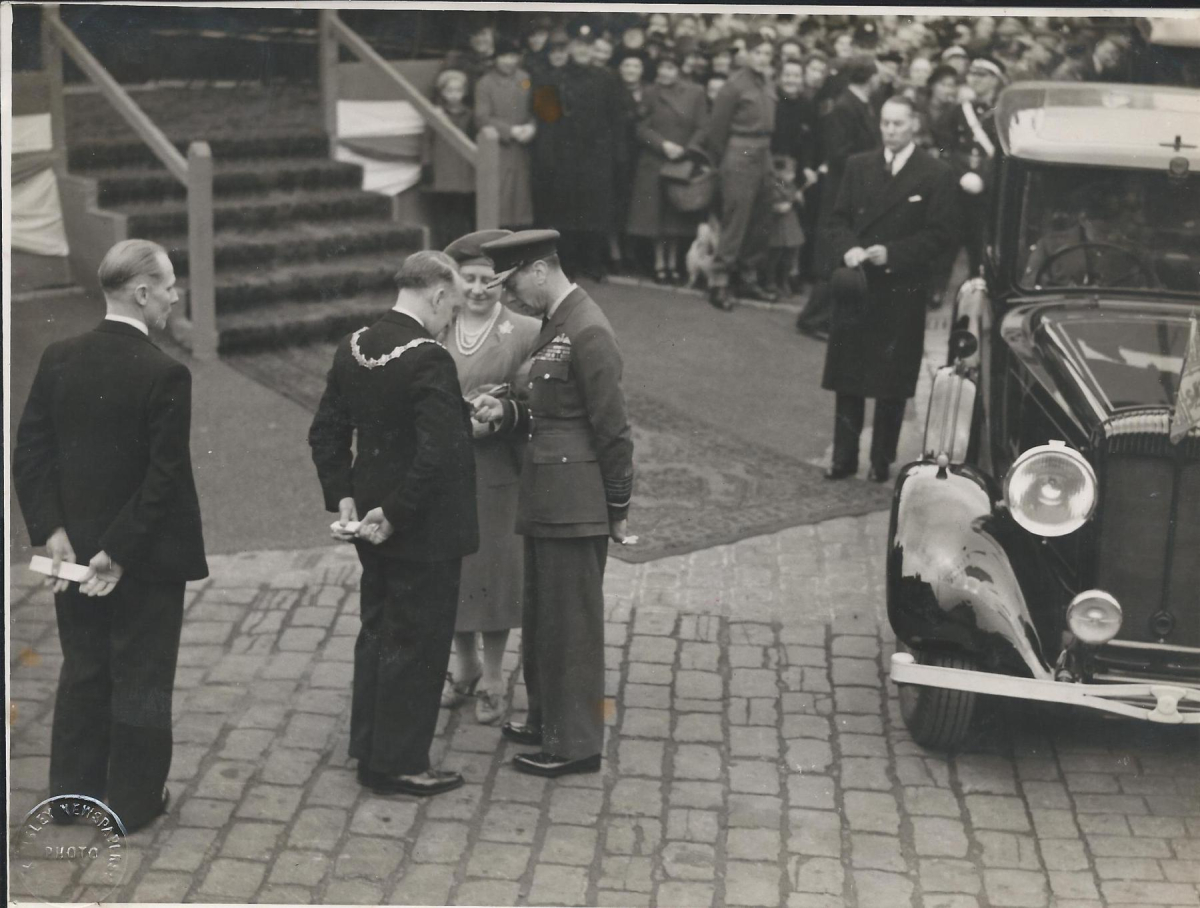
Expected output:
(1047, 544)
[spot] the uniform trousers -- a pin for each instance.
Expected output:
(111, 735)
(562, 634)
(408, 610)
(889, 417)
(746, 195)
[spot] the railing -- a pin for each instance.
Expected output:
(484, 153)
(195, 171)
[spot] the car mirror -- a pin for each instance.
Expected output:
(963, 344)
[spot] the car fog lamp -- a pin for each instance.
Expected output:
(1094, 617)
(1051, 490)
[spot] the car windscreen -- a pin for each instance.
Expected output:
(1108, 227)
(1135, 360)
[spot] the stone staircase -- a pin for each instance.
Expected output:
(302, 253)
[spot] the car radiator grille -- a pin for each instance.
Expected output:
(1149, 529)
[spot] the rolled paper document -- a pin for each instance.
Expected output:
(350, 527)
(67, 570)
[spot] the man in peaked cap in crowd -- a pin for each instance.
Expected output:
(576, 483)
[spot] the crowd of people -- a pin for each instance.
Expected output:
(598, 115)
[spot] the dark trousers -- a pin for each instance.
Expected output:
(408, 610)
(562, 635)
(818, 311)
(111, 737)
(889, 417)
(745, 211)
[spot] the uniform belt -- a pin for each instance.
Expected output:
(543, 425)
(756, 137)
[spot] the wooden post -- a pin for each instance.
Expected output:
(52, 66)
(327, 58)
(201, 264)
(487, 180)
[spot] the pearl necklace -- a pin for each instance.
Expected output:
(470, 343)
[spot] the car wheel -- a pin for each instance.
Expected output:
(938, 718)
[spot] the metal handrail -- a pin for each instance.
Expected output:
(195, 172)
(483, 154)
(429, 111)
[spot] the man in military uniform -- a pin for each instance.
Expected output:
(739, 139)
(576, 483)
(972, 154)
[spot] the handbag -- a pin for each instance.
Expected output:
(677, 171)
(696, 191)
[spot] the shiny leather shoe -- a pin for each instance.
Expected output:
(879, 473)
(544, 764)
(719, 298)
(131, 828)
(756, 292)
(430, 782)
(522, 734)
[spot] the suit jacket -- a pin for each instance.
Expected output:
(875, 349)
(103, 451)
(413, 451)
(578, 470)
(849, 128)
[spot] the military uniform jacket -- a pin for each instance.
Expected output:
(394, 393)
(578, 469)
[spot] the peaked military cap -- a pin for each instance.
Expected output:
(518, 250)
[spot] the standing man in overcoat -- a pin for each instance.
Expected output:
(393, 397)
(103, 472)
(851, 127)
(576, 483)
(895, 213)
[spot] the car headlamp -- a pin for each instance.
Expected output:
(1051, 490)
(1094, 617)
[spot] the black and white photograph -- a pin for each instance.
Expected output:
(439, 467)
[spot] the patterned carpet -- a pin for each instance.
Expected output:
(696, 486)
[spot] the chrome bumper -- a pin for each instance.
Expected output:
(1121, 699)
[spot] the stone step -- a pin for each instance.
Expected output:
(112, 153)
(290, 322)
(232, 177)
(265, 210)
(253, 287)
(319, 240)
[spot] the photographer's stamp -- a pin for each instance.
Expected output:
(69, 848)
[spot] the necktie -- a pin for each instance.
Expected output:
(889, 161)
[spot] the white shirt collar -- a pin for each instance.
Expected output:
(404, 310)
(141, 326)
(558, 302)
(860, 92)
(897, 160)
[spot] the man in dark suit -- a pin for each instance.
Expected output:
(896, 210)
(850, 127)
(103, 472)
(413, 479)
(574, 495)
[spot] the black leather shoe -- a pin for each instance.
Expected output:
(434, 781)
(522, 734)
(755, 292)
(719, 298)
(879, 473)
(809, 331)
(166, 802)
(835, 473)
(544, 764)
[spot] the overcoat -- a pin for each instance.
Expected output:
(675, 113)
(490, 588)
(577, 157)
(451, 172)
(875, 349)
(850, 127)
(503, 102)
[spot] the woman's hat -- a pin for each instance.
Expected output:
(468, 249)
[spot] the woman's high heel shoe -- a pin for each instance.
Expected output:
(455, 693)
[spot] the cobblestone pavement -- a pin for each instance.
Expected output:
(755, 757)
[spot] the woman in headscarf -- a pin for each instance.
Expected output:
(489, 343)
(674, 111)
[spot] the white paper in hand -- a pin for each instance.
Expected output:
(76, 573)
